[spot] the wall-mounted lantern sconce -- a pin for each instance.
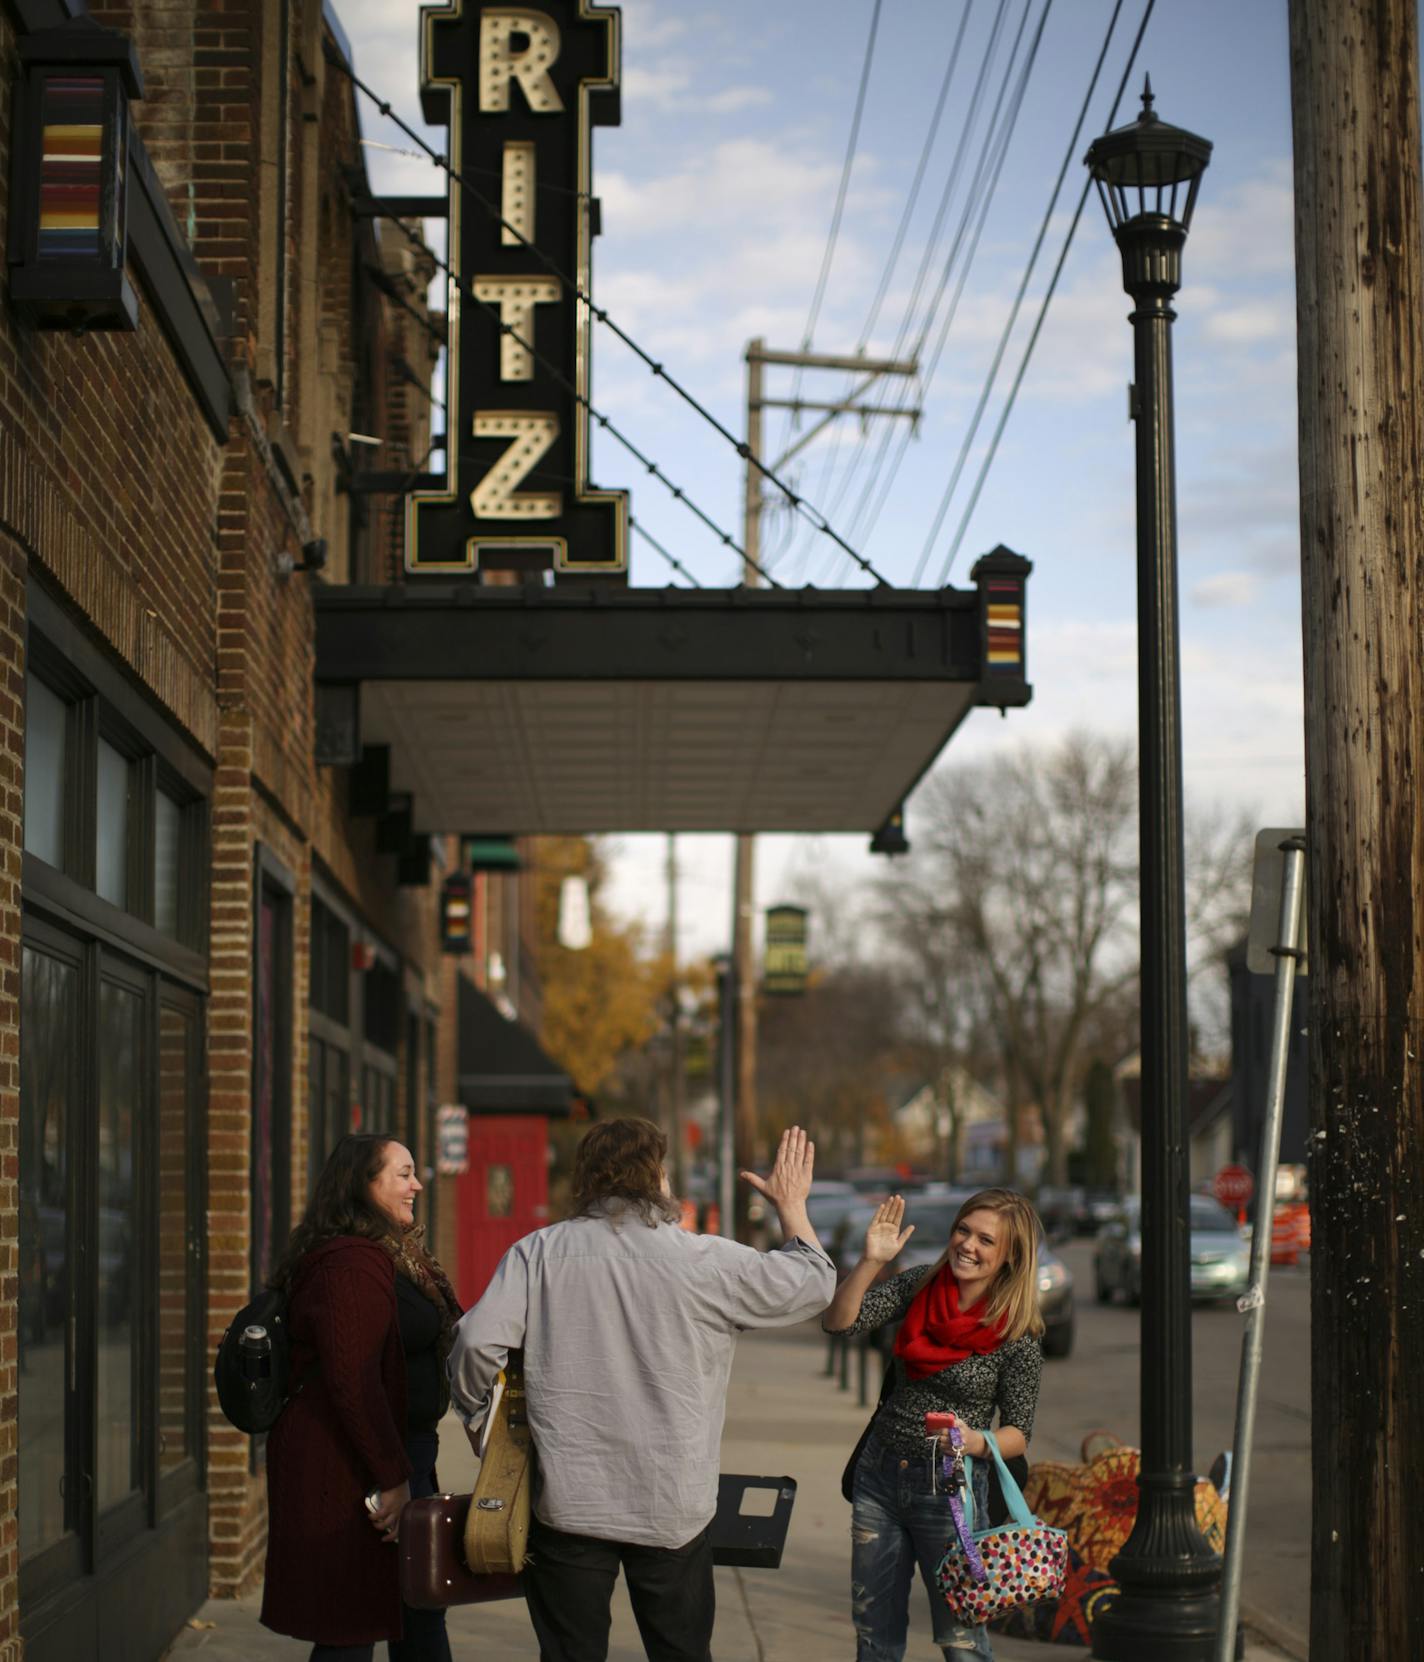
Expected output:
(69, 178)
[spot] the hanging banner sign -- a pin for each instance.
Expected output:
(784, 963)
(520, 89)
(452, 1141)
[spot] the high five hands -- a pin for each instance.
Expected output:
(884, 1238)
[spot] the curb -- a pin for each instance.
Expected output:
(1276, 1632)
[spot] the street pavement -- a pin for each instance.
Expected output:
(786, 1417)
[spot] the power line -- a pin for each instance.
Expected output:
(852, 141)
(467, 291)
(870, 519)
(973, 429)
(1038, 322)
(931, 249)
(807, 510)
(973, 217)
(898, 241)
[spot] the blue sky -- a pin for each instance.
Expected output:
(717, 194)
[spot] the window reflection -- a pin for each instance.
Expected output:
(46, 745)
(112, 854)
(120, 1058)
(47, 1092)
(167, 843)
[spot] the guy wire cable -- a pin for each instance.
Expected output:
(929, 255)
(973, 429)
(671, 558)
(466, 290)
(892, 259)
(807, 510)
(1003, 421)
(976, 208)
(829, 255)
(864, 514)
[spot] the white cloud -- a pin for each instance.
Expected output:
(1252, 324)
(1228, 588)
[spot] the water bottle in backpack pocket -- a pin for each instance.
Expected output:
(253, 1371)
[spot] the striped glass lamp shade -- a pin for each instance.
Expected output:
(69, 209)
(71, 166)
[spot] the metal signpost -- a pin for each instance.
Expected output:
(1287, 850)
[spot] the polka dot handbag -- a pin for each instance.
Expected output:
(999, 1570)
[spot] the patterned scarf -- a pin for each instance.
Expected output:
(414, 1261)
(936, 1334)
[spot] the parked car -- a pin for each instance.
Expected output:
(827, 1204)
(933, 1216)
(1220, 1253)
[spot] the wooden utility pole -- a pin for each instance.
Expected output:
(744, 869)
(676, 1132)
(1355, 104)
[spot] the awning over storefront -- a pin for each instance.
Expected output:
(593, 708)
(503, 1068)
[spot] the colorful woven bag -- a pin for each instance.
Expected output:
(1021, 1562)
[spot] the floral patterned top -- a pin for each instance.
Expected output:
(1006, 1379)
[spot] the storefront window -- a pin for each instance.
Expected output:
(46, 755)
(112, 853)
(49, 1016)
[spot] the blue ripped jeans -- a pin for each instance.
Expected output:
(896, 1523)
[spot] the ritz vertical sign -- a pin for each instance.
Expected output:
(520, 89)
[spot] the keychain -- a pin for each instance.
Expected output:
(948, 1468)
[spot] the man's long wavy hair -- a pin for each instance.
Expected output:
(1013, 1294)
(623, 1160)
(341, 1203)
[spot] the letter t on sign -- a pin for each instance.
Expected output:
(528, 62)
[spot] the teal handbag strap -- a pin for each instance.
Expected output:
(1013, 1495)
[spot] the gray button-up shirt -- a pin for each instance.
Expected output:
(628, 1334)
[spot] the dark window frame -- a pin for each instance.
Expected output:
(103, 703)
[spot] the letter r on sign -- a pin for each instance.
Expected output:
(529, 63)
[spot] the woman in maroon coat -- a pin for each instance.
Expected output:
(371, 1315)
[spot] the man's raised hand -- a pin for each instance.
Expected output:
(789, 1181)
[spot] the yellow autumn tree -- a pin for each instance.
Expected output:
(605, 998)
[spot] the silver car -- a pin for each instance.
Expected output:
(1220, 1254)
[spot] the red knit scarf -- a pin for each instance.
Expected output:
(936, 1334)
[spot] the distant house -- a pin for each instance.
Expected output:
(1210, 1137)
(971, 1150)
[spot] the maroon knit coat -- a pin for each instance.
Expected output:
(331, 1579)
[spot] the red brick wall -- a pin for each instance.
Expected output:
(113, 490)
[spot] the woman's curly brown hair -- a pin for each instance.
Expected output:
(623, 1160)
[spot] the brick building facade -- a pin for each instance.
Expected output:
(214, 958)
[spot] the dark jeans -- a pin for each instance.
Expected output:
(423, 1631)
(896, 1523)
(568, 1586)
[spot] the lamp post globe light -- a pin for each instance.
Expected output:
(1148, 174)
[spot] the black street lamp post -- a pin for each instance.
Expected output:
(1148, 174)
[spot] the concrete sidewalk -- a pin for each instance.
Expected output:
(783, 1417)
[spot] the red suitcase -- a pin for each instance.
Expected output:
(432, 1559)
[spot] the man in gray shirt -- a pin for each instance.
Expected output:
(628, 1323)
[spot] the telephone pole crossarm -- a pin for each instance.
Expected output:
(758, 354)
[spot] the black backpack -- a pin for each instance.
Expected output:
(253, 1370)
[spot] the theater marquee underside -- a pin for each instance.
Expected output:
(590, 709)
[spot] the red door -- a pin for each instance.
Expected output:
(502, 1196)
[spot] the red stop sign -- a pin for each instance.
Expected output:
(1233, 1186)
